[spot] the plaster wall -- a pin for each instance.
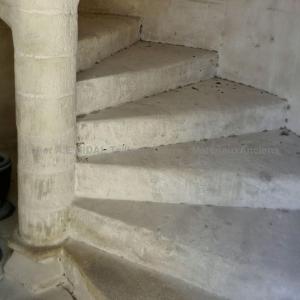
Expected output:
(7, 95)
(258, 41)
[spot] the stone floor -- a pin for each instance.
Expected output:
(12, 291)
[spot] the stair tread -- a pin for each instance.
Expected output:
(253, 170)
(100, 35)
(252, 248)
(208, 109)
(142, 56)
(218, 230)
(144, 69)
(117, 279)
(209, 95)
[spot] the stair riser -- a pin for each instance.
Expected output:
(99, 93)
(151, 250)
(95, 49)
(134, 133)
(114, 237)
(206, 187)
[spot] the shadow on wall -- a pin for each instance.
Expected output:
(7, 88)
(8, 131)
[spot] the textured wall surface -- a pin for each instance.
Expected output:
(258, 41)
(261, 47)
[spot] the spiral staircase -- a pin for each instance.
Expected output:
(187, 184)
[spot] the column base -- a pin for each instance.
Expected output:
(37, 269)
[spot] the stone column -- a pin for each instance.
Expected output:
(45, 42)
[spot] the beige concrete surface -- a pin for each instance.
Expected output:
(142, 70)
(257, 170)
(194, 23)
(236, 253)
(258, 41)
(45, 38)
(114, 278)
(101, 36)
(13, 291)
(221, 214)
(209, 109)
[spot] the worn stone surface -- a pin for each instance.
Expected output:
(111, 277)
(258, 170)
(194, 23)
(237, 253)
(35, 276)
(142, 70)
(13, 291)
(102, 35)
(26, 275)
(258, 41)
(209, 109)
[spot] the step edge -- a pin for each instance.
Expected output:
(204, 286)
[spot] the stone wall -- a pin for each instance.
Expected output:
(258, 41)
(7, 95)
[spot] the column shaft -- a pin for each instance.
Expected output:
(45, 40)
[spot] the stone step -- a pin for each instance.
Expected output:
(256, 170)
(104, 276)
(103, 35)
(209, 109)
(142, 70)
(237, 253)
